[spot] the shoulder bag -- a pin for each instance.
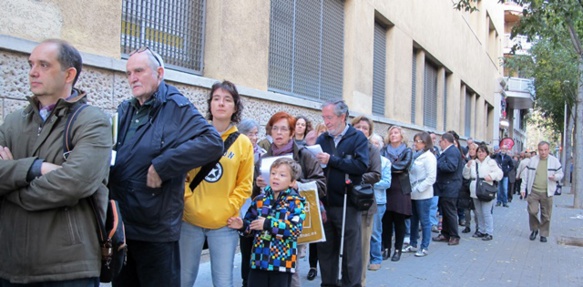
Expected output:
(485, 191)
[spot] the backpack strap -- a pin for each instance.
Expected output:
(68, 132)
(205, 169)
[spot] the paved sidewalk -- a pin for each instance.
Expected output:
(511, 259)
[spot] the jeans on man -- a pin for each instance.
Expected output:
(222, 244)
(502, 196)
(376, 239)
(421, 210)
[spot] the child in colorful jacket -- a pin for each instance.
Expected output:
(275, 221)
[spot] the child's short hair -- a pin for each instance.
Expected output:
(294, 167)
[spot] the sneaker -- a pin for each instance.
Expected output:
(498, 203)
(421, 253)
(434, 229)
(506, 205)
(409, 249)
(374, 267)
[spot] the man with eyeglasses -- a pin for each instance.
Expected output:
(161, 136)
(345, 151)
(47, 227)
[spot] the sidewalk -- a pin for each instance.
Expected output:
(511, 259)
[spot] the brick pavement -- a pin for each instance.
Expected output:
(511, 259)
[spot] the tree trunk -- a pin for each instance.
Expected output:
(578, 141)
(569, 144)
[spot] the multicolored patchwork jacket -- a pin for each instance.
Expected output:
(275, 247)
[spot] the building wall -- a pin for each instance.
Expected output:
(237, 49)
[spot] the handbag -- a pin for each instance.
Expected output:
(485, 191)
(559, 190)
(362, 196)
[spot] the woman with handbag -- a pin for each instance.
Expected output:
(484, 169)
(399, 194)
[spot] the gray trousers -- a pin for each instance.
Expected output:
(545, 202)
(328, 251)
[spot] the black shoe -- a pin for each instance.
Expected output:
(543, 239)
(396, 256)
(506, 205)
(386, 253)
(312, 274)
(534, 234)
(466, 230)
(498, 203)
(487, 237)
(478, 234)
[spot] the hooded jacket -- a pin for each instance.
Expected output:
(47, 227)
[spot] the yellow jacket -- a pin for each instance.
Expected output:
(224, 190)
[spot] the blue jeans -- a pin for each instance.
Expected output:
(421, 209)
(433, 211)
(222, 243)
(376, 239)
(502, 196)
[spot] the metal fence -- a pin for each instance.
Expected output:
(173, 28)
(306, 48)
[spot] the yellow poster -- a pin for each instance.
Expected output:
(313, 227)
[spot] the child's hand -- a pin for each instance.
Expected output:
(260, 182)
(257, 224)
(235, 222)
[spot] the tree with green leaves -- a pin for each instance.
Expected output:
(559, 23)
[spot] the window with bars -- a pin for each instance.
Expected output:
(379, 67)
(172, 28)
(306, 48)
(430, 95)
(413, 86)
(468, 115)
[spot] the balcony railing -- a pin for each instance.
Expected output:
(520, 85)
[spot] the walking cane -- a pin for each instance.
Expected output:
(348, 184)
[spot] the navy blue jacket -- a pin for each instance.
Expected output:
(506, 163)
(353, 143)
(450, 165)
(175, 140)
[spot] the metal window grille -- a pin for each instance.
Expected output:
(172, 28)
(413, 86)
(306, 50)
(430, 96)
(379, 67)
(468, 115)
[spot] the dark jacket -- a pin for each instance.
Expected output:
(47, 227)
(505, 162)
(400, 168)
(175, 140)
(372, 176)
(311, 170)
(450, 165)
(353, 143)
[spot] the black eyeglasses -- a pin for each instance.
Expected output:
(144, 48)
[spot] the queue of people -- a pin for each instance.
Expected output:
(182, 180)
